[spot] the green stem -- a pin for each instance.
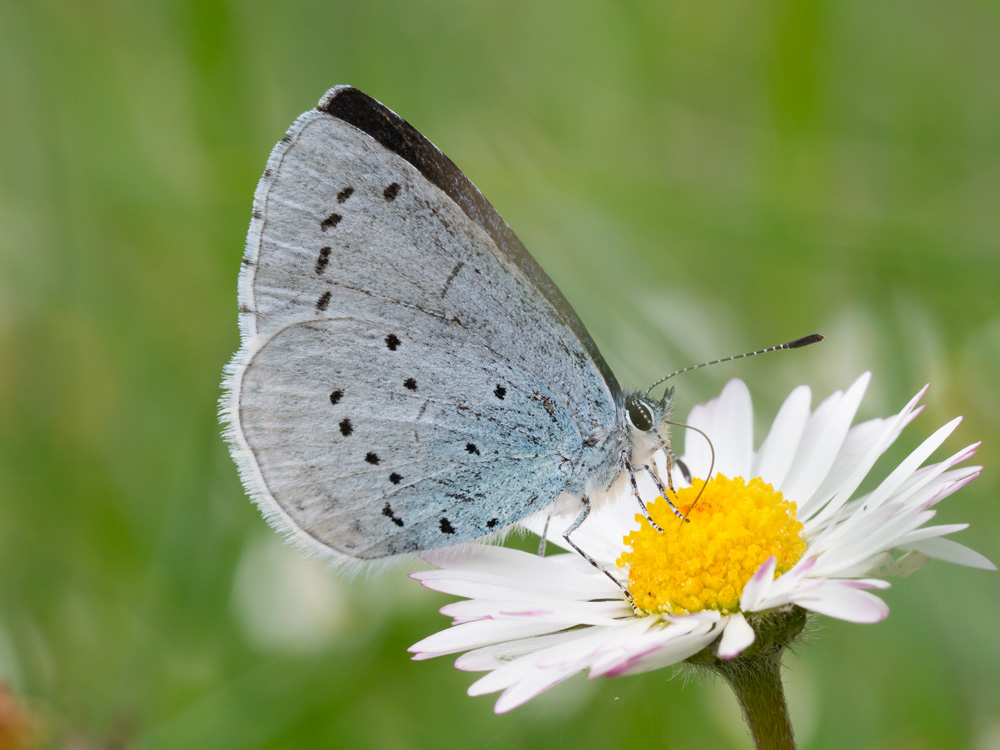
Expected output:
(757, 684)
(755, 676)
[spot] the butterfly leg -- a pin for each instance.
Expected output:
(672, 461)
(663, 492)
(635, 491)
(584, 512)
(545, 536)
(670, 467)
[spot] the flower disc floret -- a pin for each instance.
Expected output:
(705, 563)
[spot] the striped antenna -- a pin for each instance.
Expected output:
(797, 344)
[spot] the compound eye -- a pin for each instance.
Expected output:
(639, 414)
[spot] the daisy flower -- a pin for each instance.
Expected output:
(777, 531)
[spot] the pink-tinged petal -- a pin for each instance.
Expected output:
(572, 654)
(759, 584)
(568, 613)
(925, 486)
(953, 552)
(873, 532)
(526, 677)
(837, 599)
(737, 636)
(821, 442)
(816, 515)
(782, 443)
(781, 589)
(669, 653)
(488, 658)
(912, 462)
(478, 633)
(631, 646)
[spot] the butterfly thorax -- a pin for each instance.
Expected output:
(640, 429)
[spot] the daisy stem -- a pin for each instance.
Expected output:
(757, 684)
(755, 676)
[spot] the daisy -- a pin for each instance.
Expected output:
(776, 532)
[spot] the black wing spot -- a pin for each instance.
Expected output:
(395, 478)
(471, 448)
(391, 192)
(446, 527)
(344, 194)
(336, 396)
(372, 458)
(256, 214)
(392, 341)
(330, 221)
(492, 523)
(500, 392)
(323, 259)
(410, 384)
(346, 428)
(387, 511)
(323, 301)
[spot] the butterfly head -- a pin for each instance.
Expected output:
(646, 421)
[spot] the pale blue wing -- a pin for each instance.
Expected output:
(358, 218)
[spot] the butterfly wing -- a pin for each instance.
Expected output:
(409, 378)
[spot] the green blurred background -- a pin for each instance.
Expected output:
(700, 179)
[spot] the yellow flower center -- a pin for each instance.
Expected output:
(704, 564)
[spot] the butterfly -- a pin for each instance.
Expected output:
(409, 377)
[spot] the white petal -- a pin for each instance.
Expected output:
(535, 684)
(953, 552)
(566, 654)
(492, 657)
(526, 677)
(783, 589)
(478, 633)
(697, 453)
(929, 478)
(821, 442)
(555, 611)
(841, 600)
(728, 422)
(479, 586)
(732, 432)
(912, 462)
(669, 652)
(737, 636)
(782, 442)
(502, 573)
(848, 485)
(758, 585)
(630, 648)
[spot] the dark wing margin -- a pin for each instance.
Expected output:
(394, 133)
